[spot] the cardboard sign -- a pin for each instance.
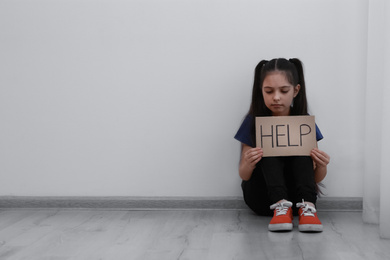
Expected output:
(286, 135)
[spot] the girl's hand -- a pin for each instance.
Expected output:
(249, 158)
(320, 158)
(252, 156)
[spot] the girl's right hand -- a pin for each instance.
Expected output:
(251, 156)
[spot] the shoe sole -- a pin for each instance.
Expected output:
(310, 228)
(280, 227)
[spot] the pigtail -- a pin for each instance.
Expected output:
(300, 102)
(319, 187)
(256, 91)
(299, 67)
(257, 104)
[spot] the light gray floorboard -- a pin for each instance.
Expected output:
(61, 234)
(159, 203)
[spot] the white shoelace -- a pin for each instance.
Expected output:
(307, 210)
(281, 208)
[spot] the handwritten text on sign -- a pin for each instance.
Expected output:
(286, 135)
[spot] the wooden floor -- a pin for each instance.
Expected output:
(180, 234)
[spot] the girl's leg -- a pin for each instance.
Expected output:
(274, 174)
(273, 169)
(303, 175)
(256, 194)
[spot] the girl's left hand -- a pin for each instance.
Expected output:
(320, 158)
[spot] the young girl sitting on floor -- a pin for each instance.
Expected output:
(278, 183)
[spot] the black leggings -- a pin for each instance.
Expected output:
(277, 178)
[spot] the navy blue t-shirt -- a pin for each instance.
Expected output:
(244, 132)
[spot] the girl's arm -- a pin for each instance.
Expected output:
(249, 158)
(321, 161)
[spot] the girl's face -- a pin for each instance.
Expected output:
(278, 93)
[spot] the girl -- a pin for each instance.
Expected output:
(278, 183)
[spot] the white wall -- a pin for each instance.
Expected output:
(384, 224)
(376, 209)
(374, 117)
(143, 98)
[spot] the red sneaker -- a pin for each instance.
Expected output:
(282, 220)
(308, 220)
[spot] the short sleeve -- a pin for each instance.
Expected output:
(244, 132)
(318, 134)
